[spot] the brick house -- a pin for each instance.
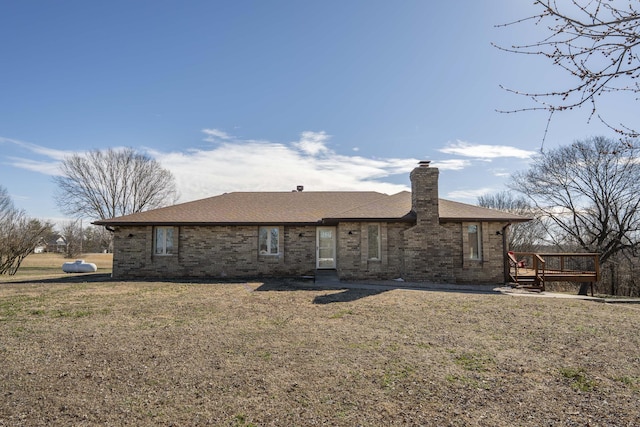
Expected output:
(361, 235)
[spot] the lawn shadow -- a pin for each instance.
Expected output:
(67, 278)
(332, 292)
(347, 294)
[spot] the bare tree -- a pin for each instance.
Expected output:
(106, 184)
(594, 41)
(589, 192)
(522, 237)
(96, 239)
(73, 234)
(19, 234)
(6, 205)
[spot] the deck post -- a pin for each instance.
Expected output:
(584, 288)
(505, 255)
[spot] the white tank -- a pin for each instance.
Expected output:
(79, 266)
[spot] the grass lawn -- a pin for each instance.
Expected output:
(39, 266)
(74, 351)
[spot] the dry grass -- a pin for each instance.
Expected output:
(283, 353)
(46, 265)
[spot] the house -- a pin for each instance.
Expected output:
(55, 243)
(361, 235)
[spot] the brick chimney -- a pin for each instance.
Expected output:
(424, 193)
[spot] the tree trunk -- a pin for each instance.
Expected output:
(614, 291)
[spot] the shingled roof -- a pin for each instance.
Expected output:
(306, 207)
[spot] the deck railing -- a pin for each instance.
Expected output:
(537, 268)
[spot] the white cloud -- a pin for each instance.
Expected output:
(41, 166)
(484, 151)
(313, 143)
(453, 164)
(48, 165)
(469, 195)
(501, 172)
(234, 164)
(213, 135)
(249, 165)
(246, 165)
(38, 149)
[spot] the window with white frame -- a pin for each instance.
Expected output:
(373, 232)
(474, 233)
(268, 240)
(163, 240)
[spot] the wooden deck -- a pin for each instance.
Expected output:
(562, 276)
(533, 270)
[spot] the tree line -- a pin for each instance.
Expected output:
(584, 197)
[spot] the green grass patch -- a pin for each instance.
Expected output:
(579, 379)
(394, 375)
(11, 306)
(473, 361)
(265, 355)
(467, 382)
(631, 382)
(71, 313)
(240, 420)
(340, 314)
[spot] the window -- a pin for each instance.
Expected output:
(268, 240)
(164, 240)
(374, 241)
(475, 241)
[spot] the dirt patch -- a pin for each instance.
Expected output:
(158, 353)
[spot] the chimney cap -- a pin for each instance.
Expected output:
(424, 163)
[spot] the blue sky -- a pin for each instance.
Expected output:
(268, 95)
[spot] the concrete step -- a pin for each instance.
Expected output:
(326, 276)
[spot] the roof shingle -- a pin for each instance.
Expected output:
(306, 207)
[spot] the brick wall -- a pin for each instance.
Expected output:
(355, 263)
(213, 252)
(415, 253)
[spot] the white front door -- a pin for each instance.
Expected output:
(326, 247)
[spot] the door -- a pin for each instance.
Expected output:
(326, 247)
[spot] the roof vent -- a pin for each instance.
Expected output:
(424, 163)
(300, 187)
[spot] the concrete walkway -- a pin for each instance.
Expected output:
(388, 285)
(392, 284)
